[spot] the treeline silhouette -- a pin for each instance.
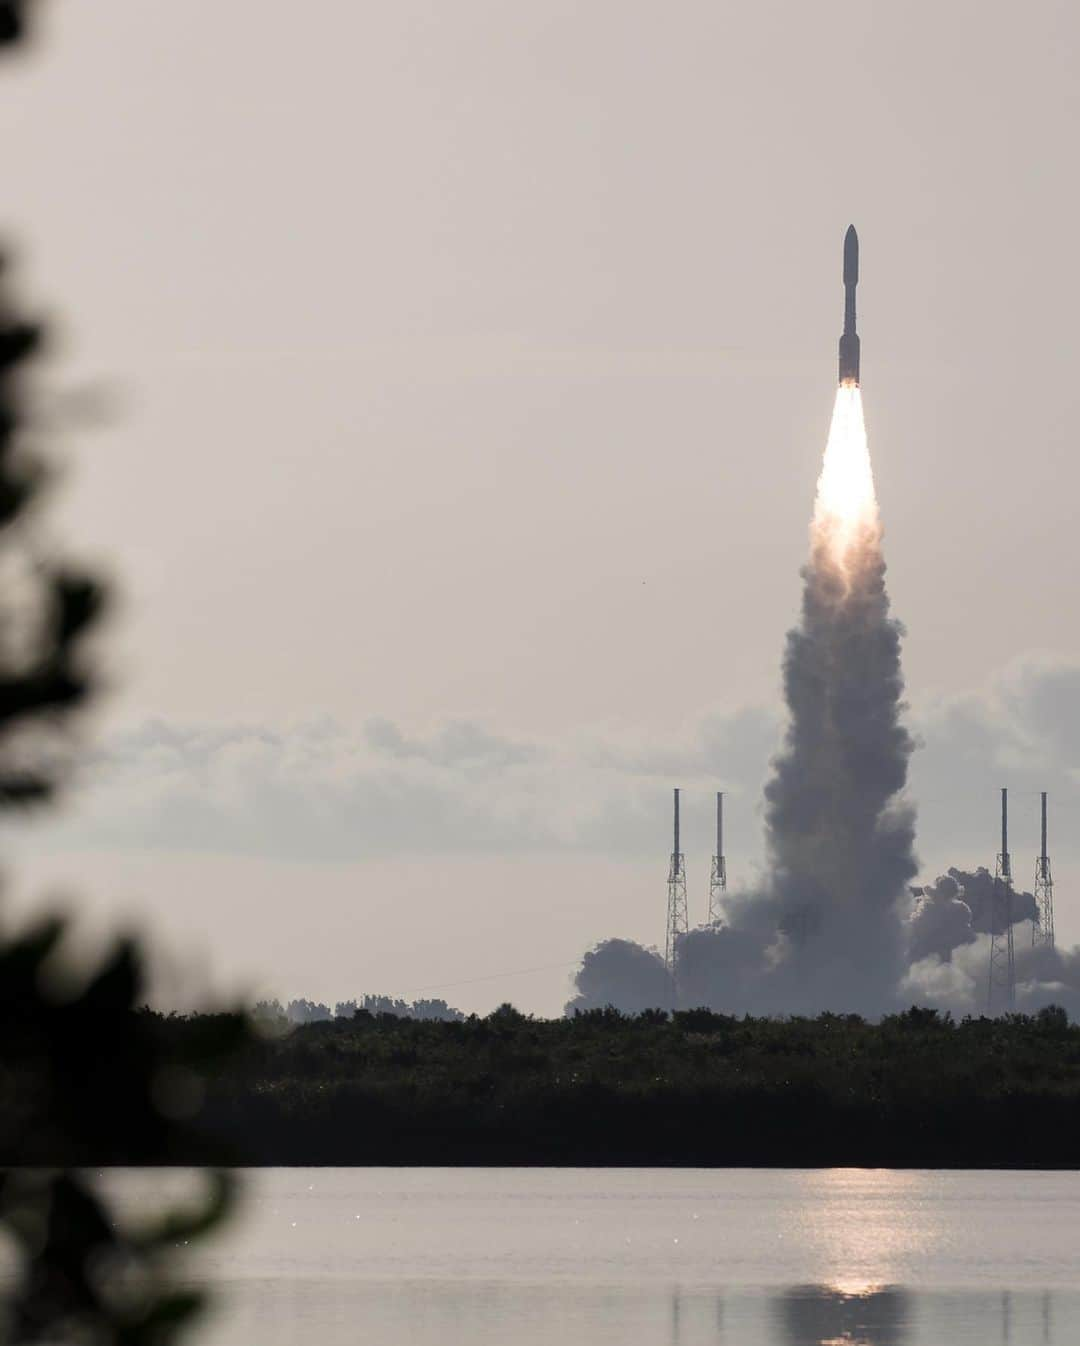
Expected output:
(602, 1088)
(272, 1014)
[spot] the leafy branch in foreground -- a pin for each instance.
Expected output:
(85, 1274)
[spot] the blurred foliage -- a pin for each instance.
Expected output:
(83, 1275)
(696, 1088)
(86, 1079)
(13, 20)
(82, 1073)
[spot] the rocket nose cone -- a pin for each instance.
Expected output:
(851, 256)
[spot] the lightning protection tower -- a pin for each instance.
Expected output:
(1001, 988)
(678, 920)
(1042, 932)
(718, 878)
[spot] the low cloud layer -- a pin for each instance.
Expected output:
(320, 791)
(324, 792)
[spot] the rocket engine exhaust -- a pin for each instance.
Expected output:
(840, 832)
(831, 925)
(825, 929)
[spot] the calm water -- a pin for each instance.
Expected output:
(520, 1257)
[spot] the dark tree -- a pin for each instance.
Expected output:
(84, 1074)
(12, 20)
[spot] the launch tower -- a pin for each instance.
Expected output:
(1001, 988)
(678, 919)
(1042, 932)
(718, 878)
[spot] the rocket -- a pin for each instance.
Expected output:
(849, 342)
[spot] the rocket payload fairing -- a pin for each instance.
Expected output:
(849, 342)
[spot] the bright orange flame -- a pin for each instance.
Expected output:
(846, 507)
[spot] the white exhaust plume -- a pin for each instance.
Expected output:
(836, 924)
(826, 931)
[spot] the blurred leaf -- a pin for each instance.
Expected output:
(116, 985)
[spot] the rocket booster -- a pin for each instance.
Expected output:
(849, 342)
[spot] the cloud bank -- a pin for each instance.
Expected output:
(323, 791)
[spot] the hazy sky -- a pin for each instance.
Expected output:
(471, 366)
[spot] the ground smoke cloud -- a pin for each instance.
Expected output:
(835, 925)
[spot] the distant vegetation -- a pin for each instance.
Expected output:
(696, 1088)
(271, 1013)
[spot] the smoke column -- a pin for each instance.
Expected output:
(840, 839)
(827, 928)
(835, 925)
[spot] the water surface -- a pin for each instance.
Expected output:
(645, 1256)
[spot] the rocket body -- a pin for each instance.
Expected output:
(849, 341)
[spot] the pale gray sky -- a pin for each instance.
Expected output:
(473, 367)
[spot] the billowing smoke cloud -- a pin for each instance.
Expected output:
(729, 968)
(826, 930)
(941, 920)
(840, 836)
(949, 960)
(1047, 977)
(621, 973)
(835, 924)
(978, 894)
(955, 909)
(959, 983)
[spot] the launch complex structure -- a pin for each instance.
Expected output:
(678, 911)
(1001, 979)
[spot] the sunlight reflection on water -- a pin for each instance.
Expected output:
(664, 1257)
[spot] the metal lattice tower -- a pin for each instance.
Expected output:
(718, 878)
(1001, 985)
(678, 918)
(1042, 932)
